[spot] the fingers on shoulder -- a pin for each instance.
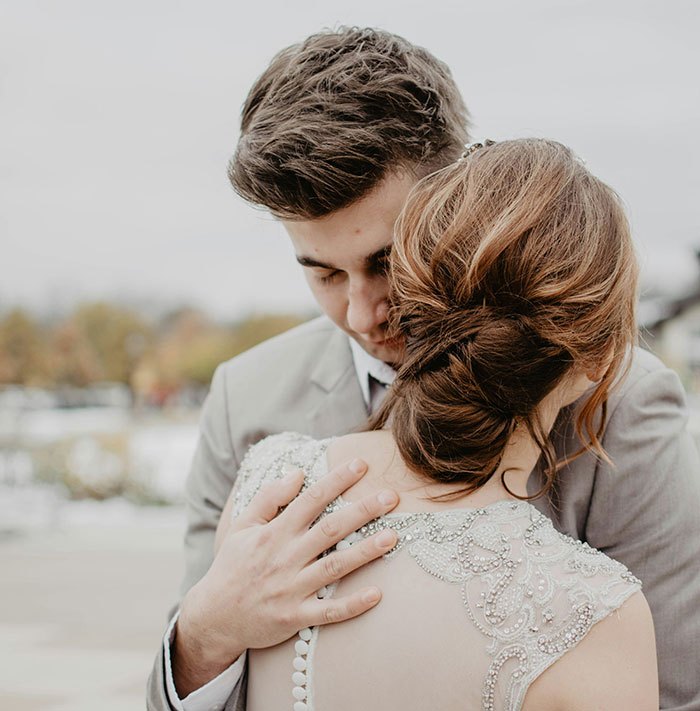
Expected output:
(269, 499)
(332, 610)
(273, 495)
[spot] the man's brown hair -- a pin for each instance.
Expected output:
(332, 116)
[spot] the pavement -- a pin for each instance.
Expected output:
(83, 605)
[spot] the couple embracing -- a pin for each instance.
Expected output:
(450, 491)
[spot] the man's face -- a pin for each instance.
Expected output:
(345, 257)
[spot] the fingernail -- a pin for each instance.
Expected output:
(356, 466)
(387, 498)
(290, 477)
(371, 595)
(385, 539)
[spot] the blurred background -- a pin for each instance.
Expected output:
(129, 269)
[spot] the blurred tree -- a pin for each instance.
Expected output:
(190, 346)
(256, 329)
(107, 342)
(199, 361)
(187, 349)
(118, 337)
(23, 355)
(74, 360)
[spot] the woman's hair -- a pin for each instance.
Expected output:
(333, 115)
(508, 268)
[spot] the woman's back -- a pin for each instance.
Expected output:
(476, 604)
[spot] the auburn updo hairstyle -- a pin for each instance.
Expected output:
(508, 268)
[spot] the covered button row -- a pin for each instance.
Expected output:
(301, 647)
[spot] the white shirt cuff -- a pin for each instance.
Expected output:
(210, 697)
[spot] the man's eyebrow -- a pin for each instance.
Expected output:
(378, 256)
(370, 260)
(309, 262)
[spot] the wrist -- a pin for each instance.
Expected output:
(198, 653)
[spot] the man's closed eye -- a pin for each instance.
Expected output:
(328, 278)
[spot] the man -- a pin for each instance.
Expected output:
(334, 135)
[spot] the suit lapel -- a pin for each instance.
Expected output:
(341, 407)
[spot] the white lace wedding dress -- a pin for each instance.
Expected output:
(476, 604)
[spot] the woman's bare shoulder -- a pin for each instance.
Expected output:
(373, 445)
(613, 668)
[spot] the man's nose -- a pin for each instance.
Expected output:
(367, 307)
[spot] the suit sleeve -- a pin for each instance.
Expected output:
(210, 480)
(644, 513)
(211, 477)
(157, 695)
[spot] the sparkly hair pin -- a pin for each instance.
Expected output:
(472, 147)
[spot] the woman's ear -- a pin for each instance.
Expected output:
(578, 382)
(597, 373)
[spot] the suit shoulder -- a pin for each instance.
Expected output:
(295, 347)
(648, 373)
(643, 363)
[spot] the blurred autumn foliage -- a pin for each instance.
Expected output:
(101, 342)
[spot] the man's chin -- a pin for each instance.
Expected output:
(390, 351)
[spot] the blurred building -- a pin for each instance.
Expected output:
(670, 327)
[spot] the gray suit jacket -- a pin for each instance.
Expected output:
(643, 511)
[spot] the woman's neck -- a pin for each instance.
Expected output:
(519, 459)
(416, 492)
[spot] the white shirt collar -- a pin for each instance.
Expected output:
(366, 365)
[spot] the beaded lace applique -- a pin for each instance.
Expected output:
(532, 592)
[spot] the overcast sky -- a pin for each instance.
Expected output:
(117, 119)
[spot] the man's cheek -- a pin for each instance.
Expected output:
(317, 292)
(331, 303)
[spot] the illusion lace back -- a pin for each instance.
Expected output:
(476, 604)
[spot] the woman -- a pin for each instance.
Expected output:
(514, 283)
